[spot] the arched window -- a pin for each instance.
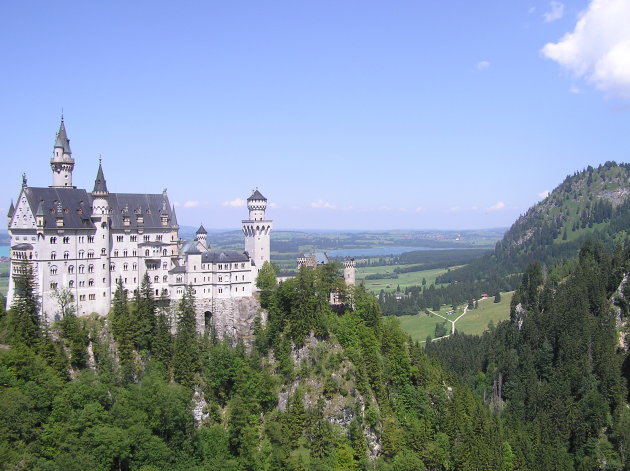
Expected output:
(66, 255)
(125, 266)
(81, 253)
(91, 282)
(91, 254)
(103, 251)
(70, 268)
(164, 252)
(53, 240)
(115, 253)
(71, 284)
(81, 268)
(90, 268)
(53, 255)
(165, 278)
(146, 253)
(53, 269)
(156, 279)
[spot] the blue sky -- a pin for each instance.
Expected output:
(346, 115)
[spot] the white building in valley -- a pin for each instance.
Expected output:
(84, 241)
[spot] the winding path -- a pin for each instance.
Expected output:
(451, 321)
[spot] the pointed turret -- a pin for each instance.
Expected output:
(201, 230)
(202, 237)
(39, 216)
(10, 213)
(100, 185)
(62, 140)
(62, 163)
(174, 217)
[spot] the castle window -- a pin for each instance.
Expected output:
(133, 238)
(53, 286)
(134, 253)
(146, 237)
(242, 265)
(90, 254)
(146, 253)
(165, 265)
(71, 284)
(81, 239)
(53, 270)
(115, 253)
(92, 297)
(158, 238)
(220, 278)
(81, 253)
(66, 255)
(81, 284)
(90, 268)
(179, 279)
(82, 297)
(164, 278)
(120, 238)
(91, 282)
(103, 251)
(53, 255)
(66, 240)
(70, 268)
(220, 266)
(90, 239)
(53, 240)
(125, 266)
(112, 267)
(156, 279)
(164, 252)
(220, 290)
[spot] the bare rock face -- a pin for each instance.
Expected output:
(231, 318)
(618, 299)
(519, 315)
(199, 406)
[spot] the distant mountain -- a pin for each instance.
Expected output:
(593, 203)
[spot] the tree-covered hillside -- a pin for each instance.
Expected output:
(320, 389)
(592, 203)
(557, 374)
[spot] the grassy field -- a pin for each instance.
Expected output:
(390, 284)
(474, 322)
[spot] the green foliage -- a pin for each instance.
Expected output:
(186, 354)
(23, 323)
(144, 319)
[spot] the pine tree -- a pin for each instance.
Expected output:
(145, 314)
(123, 331)
(186, 355)
(162, 343)
(24, 322)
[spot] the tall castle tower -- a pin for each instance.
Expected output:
(349, 271)
(102, 239)
(257, 230)
(62, 162)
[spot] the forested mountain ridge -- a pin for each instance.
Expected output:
(592, 203)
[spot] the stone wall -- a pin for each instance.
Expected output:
(231, 318)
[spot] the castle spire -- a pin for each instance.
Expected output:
(100, 185)
(62, 163)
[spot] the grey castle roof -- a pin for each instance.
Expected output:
(150, 206)
(201, 230)
(173, 216)
(22, 246)
(256, 195)
(73, 204)
(62, 139)
(100, 185)
(11, 210)
(223, 257)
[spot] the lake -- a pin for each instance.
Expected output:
(4, 250)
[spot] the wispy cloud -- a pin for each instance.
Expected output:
(555, 12)
(187, 204)
(420, 209)
(497, 206)
(482, 65)
(575, 90)
(322, 204)
(598, 49)
(543, 194)
(235, 203)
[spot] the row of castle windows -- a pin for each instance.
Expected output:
(66, 239)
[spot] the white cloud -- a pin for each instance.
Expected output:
(420, 209)
(482, 65)
(191, 204)
(273, 205)
(496, 207)
(322, 204)
(575, 90)
(556, 11)
(598, 49)
(543, 194)
(235, 203)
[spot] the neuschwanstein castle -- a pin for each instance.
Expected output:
(85, 241)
